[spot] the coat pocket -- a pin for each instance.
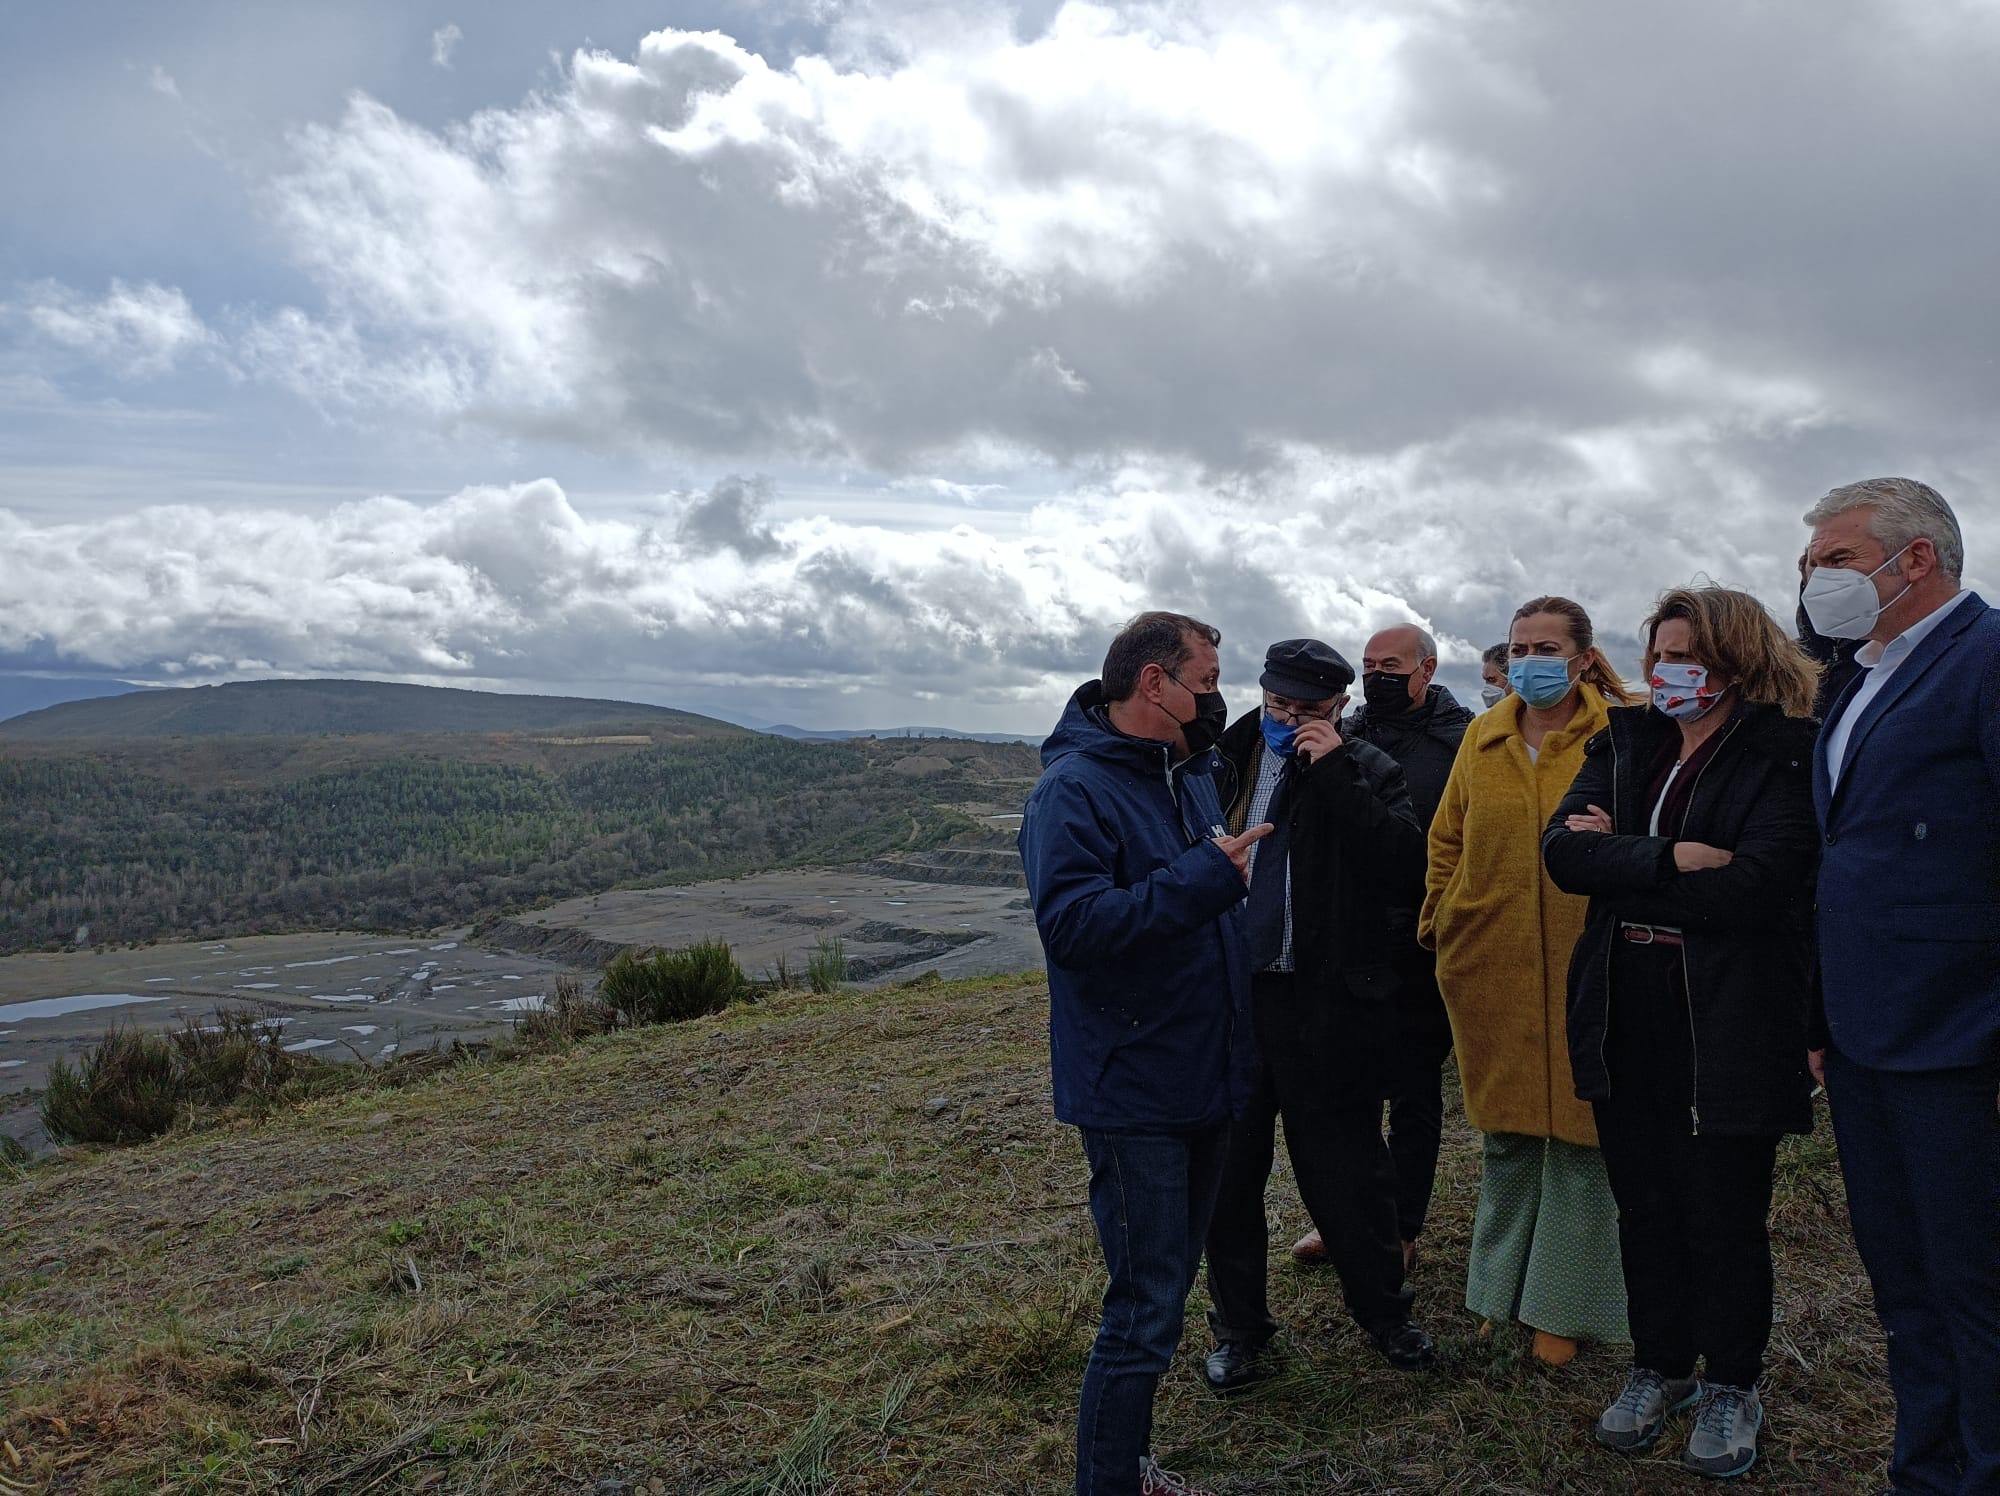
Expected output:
(1974, 923)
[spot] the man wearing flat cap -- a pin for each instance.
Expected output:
(1345, 851)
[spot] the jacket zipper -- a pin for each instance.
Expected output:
(1687, 986)
(1604, 1028)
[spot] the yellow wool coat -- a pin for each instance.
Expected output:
(1502, 931)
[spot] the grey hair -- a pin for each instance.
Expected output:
(1905, 510)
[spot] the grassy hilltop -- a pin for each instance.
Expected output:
(816, 1245)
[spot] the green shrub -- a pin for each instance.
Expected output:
(132, 1085)
(216, 1063)
(657, 986)
(826, 967)
(570, 1016)
(120, 1091)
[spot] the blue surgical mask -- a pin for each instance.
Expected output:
(1539, 680)
(1280, 737)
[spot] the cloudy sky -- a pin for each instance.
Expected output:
(867, 364)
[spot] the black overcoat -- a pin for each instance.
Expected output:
(1748, 927)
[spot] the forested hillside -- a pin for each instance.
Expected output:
(100, 840)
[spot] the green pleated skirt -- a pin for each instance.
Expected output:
(1545, 1240)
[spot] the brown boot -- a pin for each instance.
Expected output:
(1309, 1248)
(1554, 1350)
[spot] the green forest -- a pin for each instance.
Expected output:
(92, 843)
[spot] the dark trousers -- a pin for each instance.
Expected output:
(1693, 1209)
(1334, 1136)
(1920, 1151)
(1416, 1090)
(1151, 1195)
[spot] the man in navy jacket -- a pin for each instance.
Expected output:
(1136, 884)
(1907, 785)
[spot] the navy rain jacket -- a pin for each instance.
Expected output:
(1149, 971)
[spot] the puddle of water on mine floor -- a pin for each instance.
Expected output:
(329, 961)
(533, 1003)
(342, 997)
(83, 1002)
(155, 981)
(363, 1029)
(304, 1044)
(386, 1049)
(257, 986)
(11, 1064)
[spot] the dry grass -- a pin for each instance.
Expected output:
(811, 1245)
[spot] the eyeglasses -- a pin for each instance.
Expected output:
(1298, 717)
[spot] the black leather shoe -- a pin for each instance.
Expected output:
(1232, 1366)
(1406, 1347)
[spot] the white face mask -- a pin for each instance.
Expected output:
(1491, 694)
(1842, 604)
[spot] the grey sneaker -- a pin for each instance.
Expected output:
(1637, 1414)
(1153, 1481)
(1724, 1441)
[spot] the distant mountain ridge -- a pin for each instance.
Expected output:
(276, 708)
(20, 693)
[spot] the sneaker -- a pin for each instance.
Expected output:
(1724, 1441)
(1406, 1347)
(1310, 1248)
(1233, 1365)
(1153, 1481)
(1636, 1415)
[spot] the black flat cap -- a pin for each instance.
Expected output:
(1305, 670)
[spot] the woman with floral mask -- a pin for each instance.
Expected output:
(1691, 829)
(1545, 1237)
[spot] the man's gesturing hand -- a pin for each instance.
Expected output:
(1237, 848)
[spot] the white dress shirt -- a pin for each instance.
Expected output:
(1880, 661)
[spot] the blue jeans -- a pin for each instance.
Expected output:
(1920, 1151)
(1151, 1195)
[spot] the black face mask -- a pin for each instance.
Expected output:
(1387, 695)
(1204, 729)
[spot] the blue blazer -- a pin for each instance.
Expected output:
(1909, 877)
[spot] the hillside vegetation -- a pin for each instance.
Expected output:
(129, 842)
(266, 707)
(819, 1246)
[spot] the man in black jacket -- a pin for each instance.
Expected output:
(1419, 725)
(1346, 850)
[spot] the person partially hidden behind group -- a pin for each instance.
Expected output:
(1493, 676)
(1690, 828)
(1545, 1233)
(1412, 717)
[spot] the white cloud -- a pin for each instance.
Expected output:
(707, 597)
(444, 41)
(135, 330)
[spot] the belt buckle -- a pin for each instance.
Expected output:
(1639, 934)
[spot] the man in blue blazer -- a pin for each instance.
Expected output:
(1907, 783)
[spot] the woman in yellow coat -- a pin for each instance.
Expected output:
(1545, 1238)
